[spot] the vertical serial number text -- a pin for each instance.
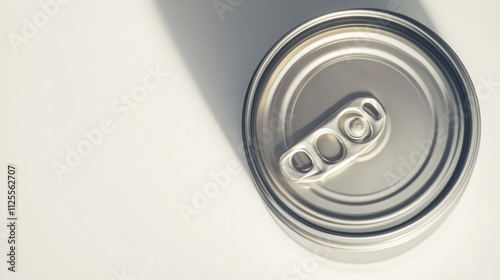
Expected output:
(11, 218)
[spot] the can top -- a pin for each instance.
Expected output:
(359, 122)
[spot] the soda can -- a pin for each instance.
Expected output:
(361, 129)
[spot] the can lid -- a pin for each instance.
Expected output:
(358, 124)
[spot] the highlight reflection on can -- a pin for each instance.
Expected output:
(361, 129)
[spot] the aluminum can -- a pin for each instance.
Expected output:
(361, 129)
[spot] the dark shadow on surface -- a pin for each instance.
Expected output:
(223, 54)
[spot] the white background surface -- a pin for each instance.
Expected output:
(116, 215)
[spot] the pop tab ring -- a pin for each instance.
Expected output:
(361, 130)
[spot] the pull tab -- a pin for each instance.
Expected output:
(346, 135)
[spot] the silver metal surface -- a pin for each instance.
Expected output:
(334, 144)
(353, 177)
